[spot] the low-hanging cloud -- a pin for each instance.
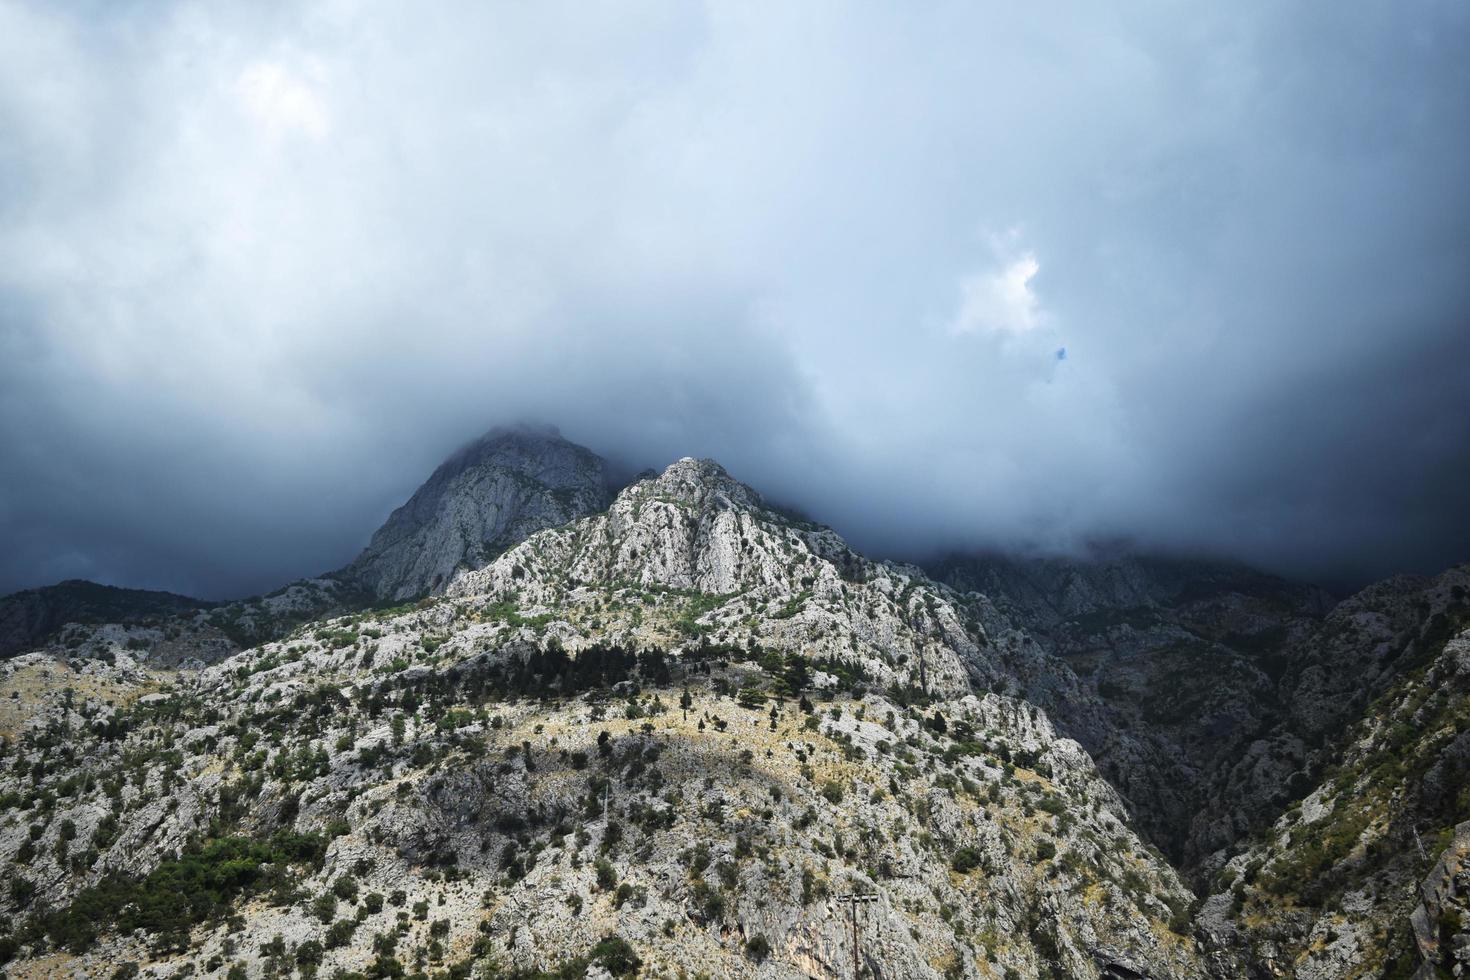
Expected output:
(263, 265)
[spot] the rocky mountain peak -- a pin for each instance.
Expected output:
(691, 527)
(697, 481)
(704, 559)
(485, 498)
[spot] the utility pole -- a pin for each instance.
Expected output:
(852, 901)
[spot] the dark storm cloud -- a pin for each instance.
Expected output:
(262, 266)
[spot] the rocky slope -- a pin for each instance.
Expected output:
(715, 838)
(1324, 747)
(1362, 876)
(208, 632)
(677, 732)
(1331, 681)
(693, 555)
(1195, 660)
(488, 496)
(667, 737)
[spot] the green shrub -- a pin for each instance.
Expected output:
(324, 907)
(616, 955)
(340, 933)
(751, 698)
(709, 901)
(965, 860)
(345, 888)
(309, 953)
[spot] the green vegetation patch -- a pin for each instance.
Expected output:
(200, 884)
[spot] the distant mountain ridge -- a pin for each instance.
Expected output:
(486, 497)
(29, 617)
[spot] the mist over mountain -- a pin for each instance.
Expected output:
(574, 491)
(951, 278)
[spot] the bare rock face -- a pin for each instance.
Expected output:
(1441, 922)
(490, 495)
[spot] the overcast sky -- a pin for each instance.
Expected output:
(946, 275)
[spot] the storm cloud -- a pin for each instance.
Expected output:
(263, 265)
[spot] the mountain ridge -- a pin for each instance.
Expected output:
(852, 678)
(1042, 721)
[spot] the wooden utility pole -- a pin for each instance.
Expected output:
(852, 901)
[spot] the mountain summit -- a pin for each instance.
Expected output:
(488, 496)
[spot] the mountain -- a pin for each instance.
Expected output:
(1324, 747)
(673, 730)
(490, 495)
(677, 731)
(1363, 870)
(27, 618)
(180, 631)
(1191, 659)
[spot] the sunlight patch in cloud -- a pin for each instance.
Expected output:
(282, 101)
(1000, 299)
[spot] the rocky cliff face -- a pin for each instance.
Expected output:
(488, 496)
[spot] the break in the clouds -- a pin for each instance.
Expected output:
(262, 265)
(1001, 298)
